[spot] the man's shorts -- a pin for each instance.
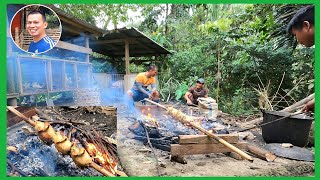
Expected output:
(139, 96)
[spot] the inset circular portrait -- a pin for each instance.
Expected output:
(35, 28)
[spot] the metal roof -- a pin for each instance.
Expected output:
(72, 26)
(113, 44)
(110, 43)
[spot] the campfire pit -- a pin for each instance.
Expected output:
(138, 158)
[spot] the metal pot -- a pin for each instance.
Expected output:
(291, 129)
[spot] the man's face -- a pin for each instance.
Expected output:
(35, 25)
(305, 35)
(199, 85)
(153, 72)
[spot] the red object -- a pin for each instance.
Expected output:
(16, 22)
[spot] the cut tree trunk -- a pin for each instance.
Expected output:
(261, 153)
(204, 139)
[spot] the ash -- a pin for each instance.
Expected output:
(35, 158)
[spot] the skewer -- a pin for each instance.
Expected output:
(184, 119)
(101, 169)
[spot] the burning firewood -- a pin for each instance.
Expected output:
(185, 119)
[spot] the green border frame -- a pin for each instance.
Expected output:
(3, 53)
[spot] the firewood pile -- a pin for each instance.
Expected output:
(207, 141)
(85, 146)
(107, 110)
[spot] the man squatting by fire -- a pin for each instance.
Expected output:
(195, 92)
(140, 90)
(36, 24)
(302, 27)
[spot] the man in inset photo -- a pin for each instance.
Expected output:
(36, 25)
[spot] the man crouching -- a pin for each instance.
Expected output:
(143, 80)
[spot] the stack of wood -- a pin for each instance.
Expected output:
(203, 144)
(87, 97)
(107, 110)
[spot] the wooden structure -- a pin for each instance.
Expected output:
(67, 67)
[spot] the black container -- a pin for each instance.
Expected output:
(294, 129)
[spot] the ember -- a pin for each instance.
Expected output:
(104, 159)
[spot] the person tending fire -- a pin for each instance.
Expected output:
(302, 27)
(143, 80)
(195, 92)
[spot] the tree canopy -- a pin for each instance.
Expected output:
(242, 50)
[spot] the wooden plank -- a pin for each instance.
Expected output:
(127, 62)
(73, 47)
(64, 85)
(87, 46)
(190, 149)
(19, 76)
(50, 83)
(75, 66)
(204, 139)
(13, 119)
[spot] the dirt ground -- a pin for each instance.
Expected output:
(137, 159)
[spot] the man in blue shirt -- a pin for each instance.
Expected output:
(36, 24)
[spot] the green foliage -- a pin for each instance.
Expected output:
(107, 14)
(101, 66)
(183, 88)
(250, 41)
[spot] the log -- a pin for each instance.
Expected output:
(299, 103)
(261, 153)
(191, 149)
(234, 155)
(185, 120)
(204, 139)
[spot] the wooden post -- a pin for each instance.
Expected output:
(19, 76)
(76, 74)
(87, 46)
(50, 83)
(64, 76)
(127, 62)
(218, 73)
(16, 36)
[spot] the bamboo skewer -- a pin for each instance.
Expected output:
(88, 162)
(101, 169)
(186, 120)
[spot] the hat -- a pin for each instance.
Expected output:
(200, 80)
